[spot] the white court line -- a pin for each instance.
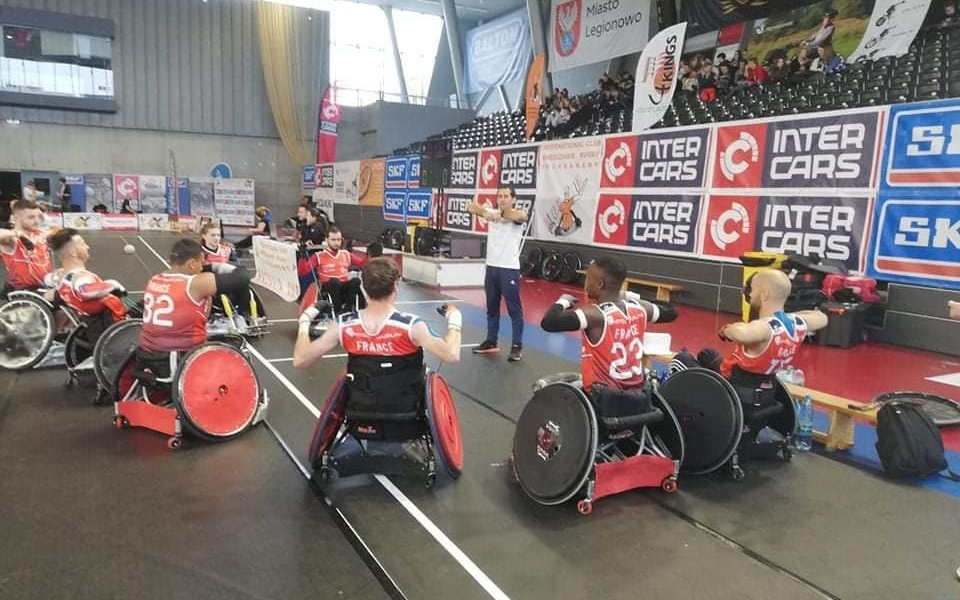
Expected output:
(429, 526)
(290, 359)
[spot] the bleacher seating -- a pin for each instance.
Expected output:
(929, 71)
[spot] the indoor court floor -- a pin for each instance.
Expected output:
(92, 512)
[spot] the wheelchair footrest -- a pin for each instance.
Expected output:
(162, 419)
(643, 471)
(401, 459)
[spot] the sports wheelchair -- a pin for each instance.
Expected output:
(351, 438)
(211, 392)
(749, 417)
(28, 330)
(570, 443)
(328, 312)
(226, 317)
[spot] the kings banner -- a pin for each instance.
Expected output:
(327, 125)
(657, 76)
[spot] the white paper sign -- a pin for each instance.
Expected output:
(276, 264)
(235, 201)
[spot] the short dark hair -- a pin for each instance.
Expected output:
(509, 188)
(614, 270)
(314, 212)
(60, 239)
(379, 277)
(334, 229)
(23, 204)
(184, 250)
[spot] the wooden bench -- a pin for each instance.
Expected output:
(839, 435)
(663, 289)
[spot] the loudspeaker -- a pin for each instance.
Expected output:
(436, 160)
(467, 247)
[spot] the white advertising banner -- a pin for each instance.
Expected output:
(585, 31)
(120, 222)
(657, 76)
(567, 190)
(83, 221)
(50, 221)
(234, 200)
(891, 28)
(153, 193)
(324, 202)
(153, 222)
(276, 265)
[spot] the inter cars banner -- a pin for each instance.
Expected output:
(656, 77)
(591, 31)
(463, 170)
(892, 28)
(832, 151)
(567, 190)
(511, 166)
(674, 158)
(830, 227)
(126, 187)
(916, 227)
(496, 52)
(661, 223)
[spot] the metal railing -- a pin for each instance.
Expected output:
(358, 97)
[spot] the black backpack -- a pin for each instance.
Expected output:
(908, 442)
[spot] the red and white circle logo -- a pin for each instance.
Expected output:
(480, 224)
(611, 225)
(740, 151)
(731, 225)
(126, 186)
(489, 169)
(618, 163)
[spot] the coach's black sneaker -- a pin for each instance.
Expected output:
(516, 353)
(487, 347)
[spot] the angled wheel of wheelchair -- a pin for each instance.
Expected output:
(26, 330)
(710, 415)
(444, 424)
(555, 443)
(328, 424)
(78, 346)
(112, 350)
(217, 391)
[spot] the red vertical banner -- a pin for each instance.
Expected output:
(327, 126)
(534, 94)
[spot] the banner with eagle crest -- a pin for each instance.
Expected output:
(584, 32)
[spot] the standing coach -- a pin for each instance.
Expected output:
(505, 228)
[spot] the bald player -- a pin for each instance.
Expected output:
(954, 307)
(769, 342)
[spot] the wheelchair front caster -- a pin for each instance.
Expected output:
(738, 473)
(174, 443)
(669, 485)
(584, 507)
(786, 453)
(324, 475)
(431, 481)
(120, 422)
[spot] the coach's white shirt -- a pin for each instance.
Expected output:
(503, 244)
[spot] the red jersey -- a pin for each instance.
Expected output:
(172, 319)
(616, 360)
(780, 350)
(393, 338)
(331, 266)
(220, 255)
(70, 288)
(27, 268)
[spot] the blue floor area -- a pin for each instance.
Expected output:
(863, 454)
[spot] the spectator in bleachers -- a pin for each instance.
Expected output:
(825, 34)
(800, 65)
(779, 71)
(724, 80)
(829, 62)
(707, 83)
(950, 17)
(754, 73)
(688, 78)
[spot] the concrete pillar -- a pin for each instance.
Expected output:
(398, 63)
(539, 38)
(452, 27)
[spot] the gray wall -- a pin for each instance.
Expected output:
(180, 66)
(377, 129)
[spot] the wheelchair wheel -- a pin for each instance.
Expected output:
(112, 350)
(217, 391)
(444, 425)
(328, 424)
(555, 443)
(78, 346)
(552, 266)
(26, 331)
(571, 264)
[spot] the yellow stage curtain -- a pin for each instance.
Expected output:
(280, 46)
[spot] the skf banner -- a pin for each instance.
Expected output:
(276, 267)
(394, 205)
(395, 175)
(829, 227)
(567, 190)
(710, 15)
(328, 122)
(308, 179)
(370, 182)
(669, 159)
(591, 31)
(534, 94)
(419, 201)
(833, 151)
(496, 52)
(916, 227)
(891, 29)
(403, 199)
(657, 76)
(659, 224)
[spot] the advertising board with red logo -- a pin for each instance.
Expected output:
(654, 223)
(837, 150)
(503, 167)
(126, 187)
(671, 159)
(830, 227)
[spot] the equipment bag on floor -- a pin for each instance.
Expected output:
(908, 442)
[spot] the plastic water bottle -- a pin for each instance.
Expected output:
(804, 439)
(798, 377)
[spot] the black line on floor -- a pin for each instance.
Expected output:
(759, 558)
(353, 538)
